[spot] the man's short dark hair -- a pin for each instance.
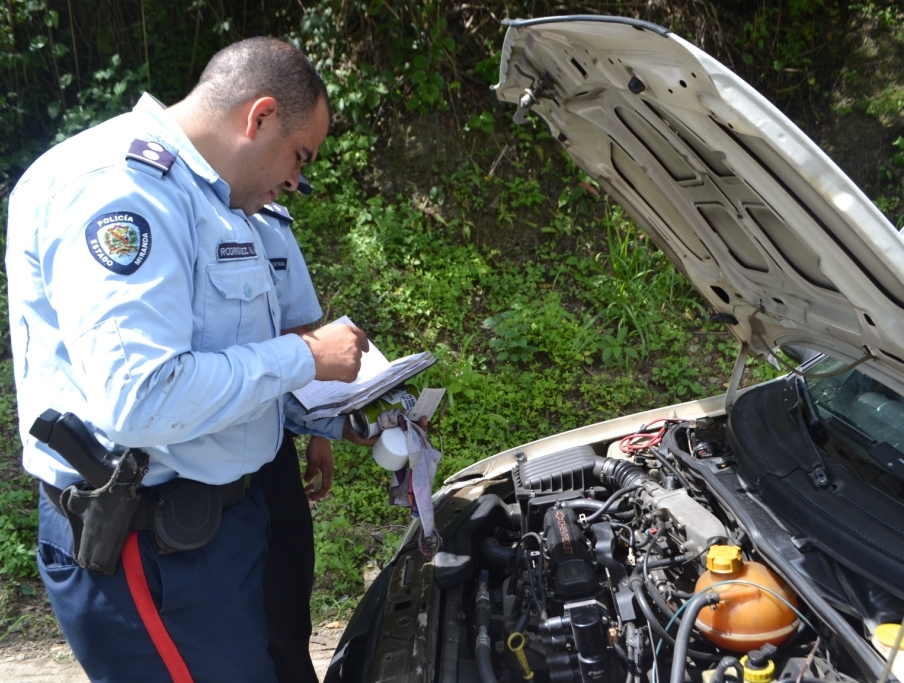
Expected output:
(264, 67)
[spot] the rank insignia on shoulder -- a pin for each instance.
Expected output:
(277, 211)
(119, 241)
(152, 154)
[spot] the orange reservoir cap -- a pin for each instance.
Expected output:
(748, 615)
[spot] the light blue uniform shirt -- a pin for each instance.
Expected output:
(298, 303)
(294, 290)
(143, 304)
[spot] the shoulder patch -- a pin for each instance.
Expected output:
(277, 211)
(151, 153)
(119, 241)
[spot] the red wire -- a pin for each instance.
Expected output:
(644, 440)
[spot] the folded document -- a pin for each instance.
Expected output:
(376, 377)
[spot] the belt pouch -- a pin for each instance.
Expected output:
(101, 518)
(186, 515)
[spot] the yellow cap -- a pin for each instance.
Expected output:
(763, 675)
(724, 559)
(887, 634)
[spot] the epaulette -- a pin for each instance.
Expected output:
(277, 211)
(151, 155)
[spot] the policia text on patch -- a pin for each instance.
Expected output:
(181, 514)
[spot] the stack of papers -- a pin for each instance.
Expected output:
(376, 377)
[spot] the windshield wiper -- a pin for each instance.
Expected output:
(882, 453)
(888, 457)
(843, 425)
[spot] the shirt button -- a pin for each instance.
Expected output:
(279, 294)
(247, 290)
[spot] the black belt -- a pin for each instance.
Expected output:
(230, 494)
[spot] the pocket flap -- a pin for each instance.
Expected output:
(239, 280)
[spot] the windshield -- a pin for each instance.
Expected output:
(865, 417)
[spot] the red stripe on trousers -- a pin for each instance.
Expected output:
(141, 594)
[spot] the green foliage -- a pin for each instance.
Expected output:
(420, 61)
(18, 493)
(547, 308)
(18, 528)
(792, 51)
(112, 91)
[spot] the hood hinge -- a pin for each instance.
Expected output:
(527, 100)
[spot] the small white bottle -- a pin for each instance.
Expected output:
(391, 450)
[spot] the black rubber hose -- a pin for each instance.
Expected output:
(525, 616)
(663, 458)
(485, 671)
(670, 439)
(682, 638)
(635, 583)
(482, 651)
(668, 562)
(658, 599)
(494, 553)
(724, 665)
(599, 508)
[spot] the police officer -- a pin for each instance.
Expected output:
(141, 300)
(289, 569)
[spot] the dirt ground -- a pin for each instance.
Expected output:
(46, 658)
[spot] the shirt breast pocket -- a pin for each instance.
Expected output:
(236, 307)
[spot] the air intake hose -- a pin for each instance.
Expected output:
(618, 474)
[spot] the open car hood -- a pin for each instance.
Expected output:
(781, 244)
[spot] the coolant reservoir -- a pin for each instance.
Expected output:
(747, 617)
(884, 639)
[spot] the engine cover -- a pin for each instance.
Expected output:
(569, 557)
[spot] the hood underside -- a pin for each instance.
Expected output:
(767, 228)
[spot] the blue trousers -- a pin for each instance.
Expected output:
(210, 600)
(289, 573)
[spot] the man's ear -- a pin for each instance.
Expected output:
(262, 112)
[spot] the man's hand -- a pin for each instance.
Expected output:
(319, 454)
(351, 435)
(337, 351)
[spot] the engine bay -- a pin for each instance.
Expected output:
(698, 548)
(623, 567)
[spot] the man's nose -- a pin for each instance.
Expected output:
(302, 185)
(291, 184)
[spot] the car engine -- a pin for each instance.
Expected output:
(620, 563)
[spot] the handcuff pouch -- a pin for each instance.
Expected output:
(186, 515)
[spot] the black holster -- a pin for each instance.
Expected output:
(101, 518)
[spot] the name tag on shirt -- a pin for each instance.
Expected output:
(279, 263)
(236, 251)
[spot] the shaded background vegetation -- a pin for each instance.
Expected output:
(437, 223)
